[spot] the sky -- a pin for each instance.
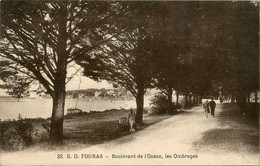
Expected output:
(87, 83)
(73, 84)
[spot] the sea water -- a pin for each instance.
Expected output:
(42, 108)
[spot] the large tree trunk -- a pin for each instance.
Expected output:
(190, 100)
(177, 98)
(241, 98)
(196, 99)
(169, 96)
(186, 101)
(193, 100)
(248, 98)
(256, 96)
(56, 134)
(232, 98)
(199, 99)
(140, 104)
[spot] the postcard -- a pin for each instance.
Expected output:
(129, 82)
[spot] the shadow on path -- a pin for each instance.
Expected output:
(238, 131)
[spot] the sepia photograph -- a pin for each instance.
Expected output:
(86, 82)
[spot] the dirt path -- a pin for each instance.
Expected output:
(176, 136)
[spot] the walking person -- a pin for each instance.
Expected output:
(205, 107)
(212, 105)
(221, 99)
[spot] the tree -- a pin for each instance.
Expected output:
(126, 61)
(123, 63)
(41, 39)
(17, 86)
(246, 39)
(226, 43)
(171, 44)
(233, 50)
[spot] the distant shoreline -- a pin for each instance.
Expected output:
(42, 108)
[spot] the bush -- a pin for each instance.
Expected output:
(15, 135)
(160, 103)
(19, 134)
